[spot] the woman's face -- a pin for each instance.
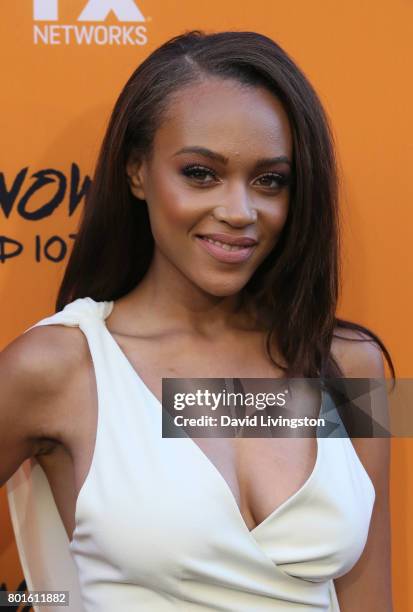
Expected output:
(221, 164)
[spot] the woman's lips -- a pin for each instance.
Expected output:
(221, 254)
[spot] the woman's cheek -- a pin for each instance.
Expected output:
(182, 213)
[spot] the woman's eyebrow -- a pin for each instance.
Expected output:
(265, 161)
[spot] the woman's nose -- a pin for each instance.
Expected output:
(236, 207)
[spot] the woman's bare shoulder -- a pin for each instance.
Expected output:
(357, 353)
(43, 358)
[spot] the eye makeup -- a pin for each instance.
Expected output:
(198, 172)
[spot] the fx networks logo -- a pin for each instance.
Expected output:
(127, 32)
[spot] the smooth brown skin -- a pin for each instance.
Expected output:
(178, 322)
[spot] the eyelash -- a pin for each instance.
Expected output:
(188, 171)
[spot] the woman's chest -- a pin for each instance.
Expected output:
(260, 473)
(243, 356)
(202, 497)
(179, 508)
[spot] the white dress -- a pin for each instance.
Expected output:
(157, 526)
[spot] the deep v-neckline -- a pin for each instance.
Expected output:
(204, 457)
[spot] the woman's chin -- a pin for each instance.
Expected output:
(224, 289)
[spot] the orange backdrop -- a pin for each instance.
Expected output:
(64, 63)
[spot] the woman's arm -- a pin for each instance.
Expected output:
(367, 586)
(35, 370)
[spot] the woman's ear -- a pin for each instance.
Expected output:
(134, 171)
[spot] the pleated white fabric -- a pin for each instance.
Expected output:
(157, 526)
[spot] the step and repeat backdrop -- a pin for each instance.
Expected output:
(63, 64)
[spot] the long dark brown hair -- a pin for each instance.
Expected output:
(298, 285)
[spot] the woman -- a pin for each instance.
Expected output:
(210, 234)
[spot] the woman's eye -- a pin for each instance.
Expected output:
(199, 173)
(273, 180)
(206, 176)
